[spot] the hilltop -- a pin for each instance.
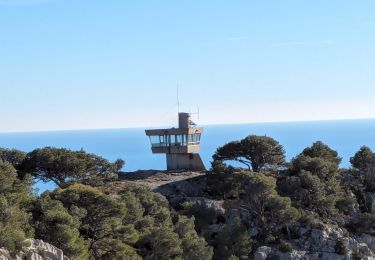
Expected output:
(151, 178)
(308, 207)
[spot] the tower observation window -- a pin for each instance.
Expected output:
(175, 140)
(194, 139)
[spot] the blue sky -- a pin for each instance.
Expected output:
(68, 64)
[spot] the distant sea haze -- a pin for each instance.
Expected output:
(132, 145)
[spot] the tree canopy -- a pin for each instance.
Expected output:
(15, 201)
(314, 184)
(256, 152)
(363, 160)
(63, 166)
(318, 159)
(13, 156)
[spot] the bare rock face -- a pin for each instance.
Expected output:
(368, 240)
(216, 205)
(262, 253)
(37, 250)
(322, 244)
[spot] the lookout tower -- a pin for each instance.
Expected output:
(181, 145)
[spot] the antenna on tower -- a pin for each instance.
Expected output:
(178, 99)
(191, 114)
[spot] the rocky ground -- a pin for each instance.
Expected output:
(151, 178)
(328, 242)
(35, 250)
(175, 186)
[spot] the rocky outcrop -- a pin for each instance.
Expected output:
(329, 242)
(266, 252)
(216, 205)
(36, 250)
(175, 186)
(366, 239)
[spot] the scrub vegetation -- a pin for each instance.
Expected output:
(265, 203)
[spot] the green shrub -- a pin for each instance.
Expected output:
(341, 246)
(285, 246)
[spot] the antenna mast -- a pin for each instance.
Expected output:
(178, 99)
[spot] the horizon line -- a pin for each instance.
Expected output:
(209, 124)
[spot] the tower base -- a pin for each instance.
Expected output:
(188, 162)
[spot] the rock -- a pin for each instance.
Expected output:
(253, 231)
(37, 250)
(294, 255)
(262, 253)
(320, 244)
(327, 256)
(4, 254)
(216, 205)
(325, 240)
(368, 240)
(265, 252)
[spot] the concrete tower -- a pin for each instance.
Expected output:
(181, 145)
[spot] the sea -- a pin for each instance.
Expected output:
(133, 146)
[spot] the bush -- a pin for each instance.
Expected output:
(341, 246)
(364, 223)
(358, 255)
(203, 216)
(232, 240)
(285, 246)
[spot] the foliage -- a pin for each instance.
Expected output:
(319, 159)
(163, 243)
(317, 166)
(101, 218)
(341, 247)
(152, 205)
(363, 160)
(232, 240)
(256, 152)
(13, 156)
(194, 246)
(259, 200)
(363, 223)
(63, 166)
(285, 246)
(203, 216)
(160, 238)
(314, 182)
(308, 191)
(360, 179)
(54, 224)
(254, 197)
(12, 232)
(321, 150)
(137, 223)
(84, 222)
(15, 199)
(363, 163)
